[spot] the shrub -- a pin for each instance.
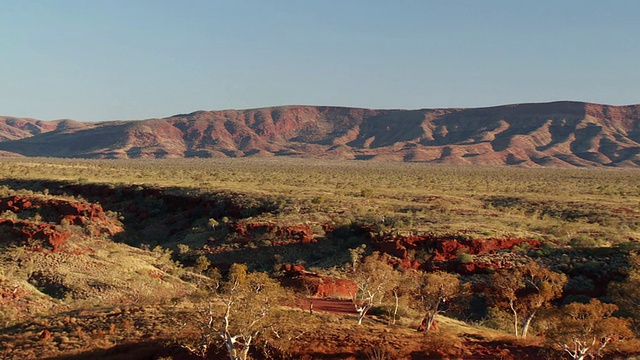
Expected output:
(443, 344)
(202, 264)
(498, 319)
(183, 249)
(380, 351)
(366, 193)
(378, 311)
(585, 241)
(465, 258)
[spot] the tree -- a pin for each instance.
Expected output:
(202, 264)
(241, 310)
(586, 329)
(403, 287)
(374, 277)
(356, 254)
(434, 291)
(523, 291)
(626, 294)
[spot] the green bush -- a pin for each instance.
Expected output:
(584, 241)
(498, 319)
(464, 257)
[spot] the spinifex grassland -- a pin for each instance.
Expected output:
(559, 205)
(94, 251)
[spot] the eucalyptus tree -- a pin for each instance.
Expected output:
(374, 279)
(523, 291)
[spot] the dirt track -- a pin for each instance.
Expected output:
(333, 306)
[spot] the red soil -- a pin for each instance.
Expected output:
(331, 306)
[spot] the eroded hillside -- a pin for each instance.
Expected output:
(560, 134)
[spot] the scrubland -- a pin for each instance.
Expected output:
(141, 259)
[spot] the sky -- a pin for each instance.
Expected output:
(135, 59)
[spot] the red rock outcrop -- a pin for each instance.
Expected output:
(45, 334)
(444, 247)
(316, 285)
(447, 248)
(75, 212)
(36, 233)
(278, 234)
(54, 212)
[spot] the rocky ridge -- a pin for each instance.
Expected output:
(560, 134)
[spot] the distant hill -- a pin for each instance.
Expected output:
(546, 134)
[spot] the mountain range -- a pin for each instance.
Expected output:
(559, 134)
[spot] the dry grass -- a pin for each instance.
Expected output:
(115, 291)
(554, 204)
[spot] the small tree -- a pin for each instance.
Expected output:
(403, 285)
(433, 293)
(523, 291)
(183, 249)
(356, 254)
(242, 309)
(374, 277)
(202, 264)
(249, 300)
(626, 294)
(583, 330)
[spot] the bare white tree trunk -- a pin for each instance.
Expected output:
(363, 307)
(245, 349)
(527, 323)
(229, 341)
(515, 318)
(581, 348)
(576, 354)
(229, 344)
(362, 311)
(233, 351)
(431, 317)
(395, 308)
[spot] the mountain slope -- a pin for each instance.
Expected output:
(549, 134)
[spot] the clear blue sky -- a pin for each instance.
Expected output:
(134, 59)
